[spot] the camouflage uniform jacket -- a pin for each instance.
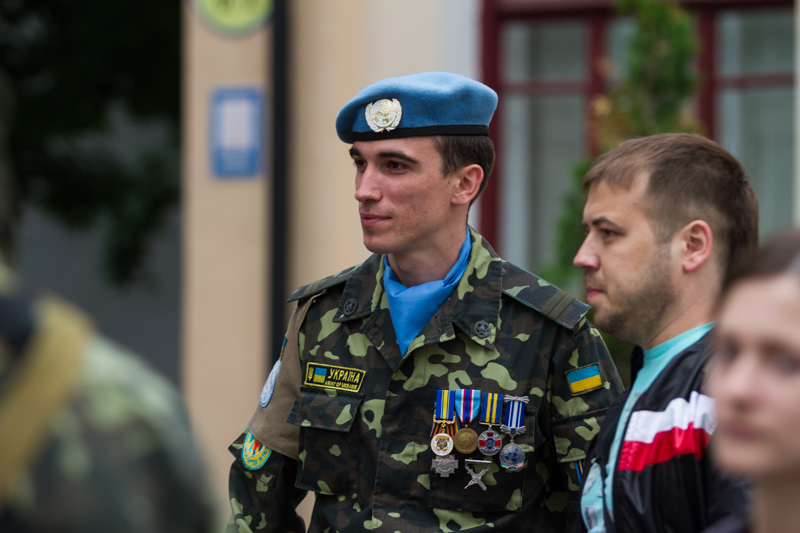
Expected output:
(361, 439)
(92, 440)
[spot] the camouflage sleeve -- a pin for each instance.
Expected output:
(261, 484)
(268, 421)
(264, 499)
(583, 383)
(119, 456)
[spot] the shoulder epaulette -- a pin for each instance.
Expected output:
(320, 285)
(536, 293)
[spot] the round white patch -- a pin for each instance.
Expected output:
(269, 386)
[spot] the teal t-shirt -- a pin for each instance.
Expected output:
(656, 360)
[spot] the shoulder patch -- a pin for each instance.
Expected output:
(254, 454)
(269, 386)
(584, 379)
(320, 285)
(536, 293)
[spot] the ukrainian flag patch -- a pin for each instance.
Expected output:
(584, 379)
(334, 377)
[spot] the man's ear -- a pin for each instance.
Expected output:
(697, 244)
(468, 183)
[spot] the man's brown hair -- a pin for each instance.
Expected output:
(459, 151)
(690, 178)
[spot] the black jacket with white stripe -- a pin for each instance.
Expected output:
(665, 480)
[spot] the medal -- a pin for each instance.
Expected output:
(489, 442)
(467, 403)
(444, 423)
(476, 477)
(466, 441)
(442, 444)
(511, 456)
(446, 465)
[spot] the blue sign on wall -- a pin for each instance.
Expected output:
(237, 125)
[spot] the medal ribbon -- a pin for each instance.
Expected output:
(468, 401)
(443, 415)
(445, 400)
(514, 413)
(491, 407)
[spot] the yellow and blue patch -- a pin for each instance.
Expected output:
(584, 379)
(254, 454)
(320, 374)
(334, 377)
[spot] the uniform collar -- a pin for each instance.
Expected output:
(473, 308)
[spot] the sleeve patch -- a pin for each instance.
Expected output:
(254, 454)
(584, 379)
(269, 386)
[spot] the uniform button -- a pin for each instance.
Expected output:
(482, 329)
(350, 307)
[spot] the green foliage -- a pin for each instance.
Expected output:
(70, 62)
(652, 96)
(659, 81)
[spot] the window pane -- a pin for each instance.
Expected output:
(544, 52)
(756, 41)
(620, 32)
(756, 126)
(542, 142)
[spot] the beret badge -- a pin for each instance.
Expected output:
(383, 115)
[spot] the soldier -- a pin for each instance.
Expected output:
(435, 386)
(668, 217)
(91, 440)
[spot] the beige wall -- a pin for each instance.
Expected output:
(337, 48)
(224, 256)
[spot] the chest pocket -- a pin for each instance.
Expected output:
(504, 489)
(328, 444)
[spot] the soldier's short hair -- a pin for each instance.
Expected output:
(459, 151)
(690, 178)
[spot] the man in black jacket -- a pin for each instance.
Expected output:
(667, 218)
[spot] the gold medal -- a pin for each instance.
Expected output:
(466, 441)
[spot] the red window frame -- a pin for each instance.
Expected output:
(596, 13)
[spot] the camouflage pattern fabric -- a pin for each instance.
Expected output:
(115, 455)
(366, 451)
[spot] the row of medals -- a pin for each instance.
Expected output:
(466, 441)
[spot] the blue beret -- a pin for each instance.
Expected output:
(428, 103)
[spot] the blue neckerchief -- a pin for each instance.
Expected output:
(412, 307)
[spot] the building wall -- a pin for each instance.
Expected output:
(225, 254)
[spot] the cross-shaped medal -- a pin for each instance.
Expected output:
(445, 466)
(476, 477)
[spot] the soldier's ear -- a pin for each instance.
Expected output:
(467, 184)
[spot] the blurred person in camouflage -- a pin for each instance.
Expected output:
(91, 439)
(435, 386)
(668, 217)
